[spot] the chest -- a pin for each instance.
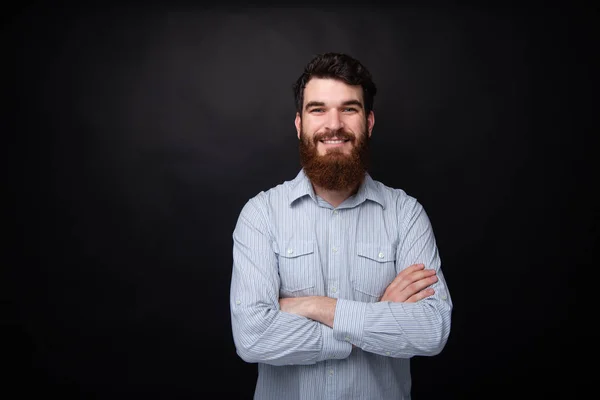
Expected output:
(336, 252)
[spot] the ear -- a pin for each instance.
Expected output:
(370, 122)
(298, 123)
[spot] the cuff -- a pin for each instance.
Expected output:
(333, 348)
(349, 321)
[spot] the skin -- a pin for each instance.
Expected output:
(329, 105)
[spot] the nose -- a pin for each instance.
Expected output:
(334, 122)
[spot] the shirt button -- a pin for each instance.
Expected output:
(330, 372)
(387, 353)
(334, 249)
(347, 338)
(333, 289)
(335, 212)
(380, 255)
(444, 297)
(238, 302)
(290, 251)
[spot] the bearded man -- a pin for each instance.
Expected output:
(336, 279)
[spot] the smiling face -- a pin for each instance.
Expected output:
(333, 116)
(334, 133)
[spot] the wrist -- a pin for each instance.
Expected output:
(322, 309)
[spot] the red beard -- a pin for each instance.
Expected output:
(335, 170)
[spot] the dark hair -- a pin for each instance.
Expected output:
(336, 66)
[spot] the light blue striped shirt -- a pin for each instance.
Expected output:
(289, 242)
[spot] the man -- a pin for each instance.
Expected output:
(336, 279)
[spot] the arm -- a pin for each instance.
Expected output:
(413, 316)
(393, 326)
(261, 332)
(411, 285)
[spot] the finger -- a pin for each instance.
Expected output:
(404, 290)
(412, 268)
(421, 284)
(406, 272)
(414, 288)
(420, 296)
(416, 276)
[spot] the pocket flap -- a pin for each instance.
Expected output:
(376, 252)
(297, 248)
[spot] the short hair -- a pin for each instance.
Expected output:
(338, 66)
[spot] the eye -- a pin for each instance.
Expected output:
(350, 110)
(317, 110)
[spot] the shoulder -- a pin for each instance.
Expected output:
(274, 197)
(396, 199)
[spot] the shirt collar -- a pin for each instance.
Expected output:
(301, 187)
(368, 190)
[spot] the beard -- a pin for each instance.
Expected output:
(335, 170)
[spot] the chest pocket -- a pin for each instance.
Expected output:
(297, 265)
(373, 269)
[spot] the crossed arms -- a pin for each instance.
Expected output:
(409, 286)
(412, 317)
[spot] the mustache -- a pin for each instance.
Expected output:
(340, 134)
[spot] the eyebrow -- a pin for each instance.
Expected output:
(321, 104)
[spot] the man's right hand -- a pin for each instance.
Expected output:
(410, 285)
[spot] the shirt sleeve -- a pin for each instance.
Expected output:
(402, 330)
(261, 332)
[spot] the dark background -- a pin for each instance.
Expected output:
(133, 135)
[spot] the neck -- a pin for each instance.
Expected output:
(334, 197)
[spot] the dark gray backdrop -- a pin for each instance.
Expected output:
(134, 135)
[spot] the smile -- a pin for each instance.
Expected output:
(336, 141)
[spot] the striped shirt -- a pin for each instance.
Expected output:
(289, 242)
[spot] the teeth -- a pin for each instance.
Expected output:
(333, 141)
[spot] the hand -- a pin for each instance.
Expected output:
(410, 285)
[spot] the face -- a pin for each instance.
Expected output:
(334, 133)
(332, 113)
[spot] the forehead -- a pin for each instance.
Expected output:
(331, 91)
